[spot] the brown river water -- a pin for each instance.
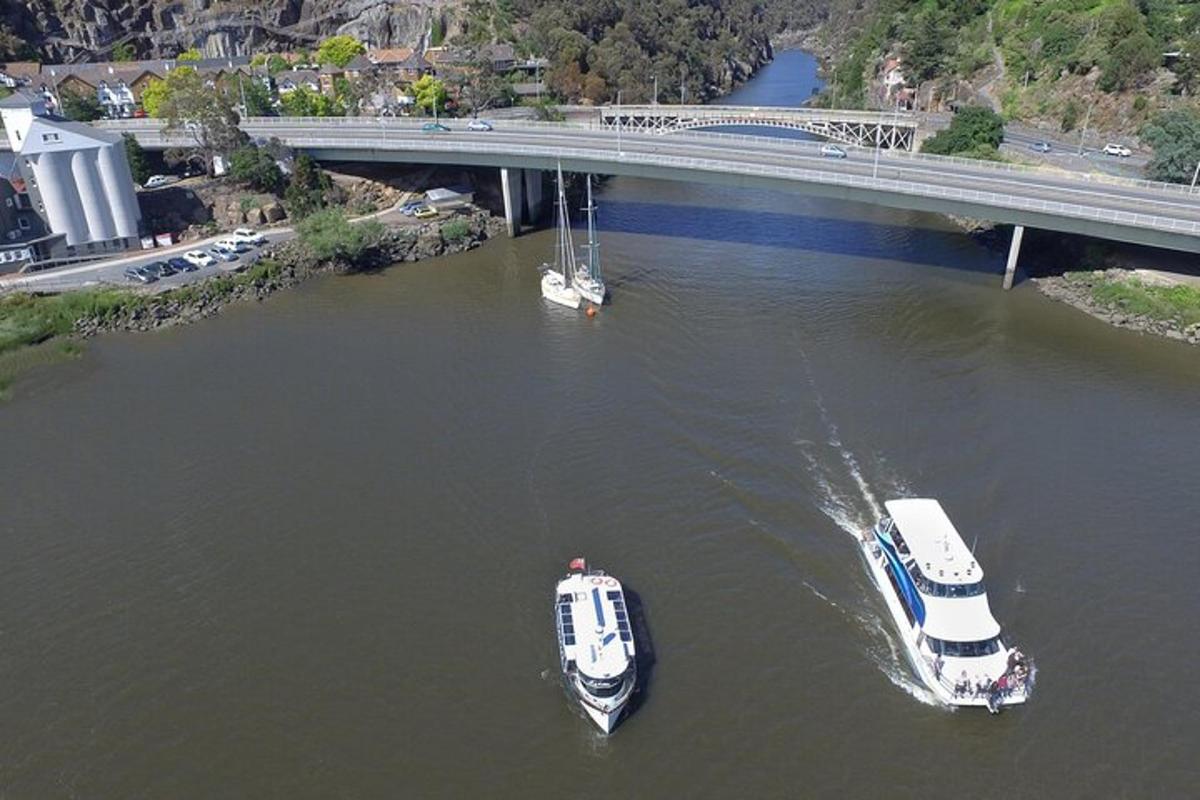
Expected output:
(308, 548)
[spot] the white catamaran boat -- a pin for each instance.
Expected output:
(934, 589)
(588, 282)
(595, 643)
(558, 279)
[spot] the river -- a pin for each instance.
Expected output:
(307, 548)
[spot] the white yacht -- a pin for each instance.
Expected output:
(595, 643)
(558, 279)
(588, 282)
(934, 590)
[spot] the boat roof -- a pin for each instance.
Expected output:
(603, 644)
(933, 541)
(960, 619)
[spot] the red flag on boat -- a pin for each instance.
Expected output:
(579, 564)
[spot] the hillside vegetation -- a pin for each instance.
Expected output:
(1048, 61)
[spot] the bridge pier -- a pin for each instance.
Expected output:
(522, 190)
(1014, 251)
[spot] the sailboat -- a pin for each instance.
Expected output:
(588, 282)
(558, 279)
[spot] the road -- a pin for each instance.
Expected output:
(1098, 205)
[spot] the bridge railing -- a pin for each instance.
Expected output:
(1010, 201)
(904, 119)
(267, 124)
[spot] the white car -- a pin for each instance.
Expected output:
(1121, 150)
(198, 258)
(248, 236)
(155, 181)
(832, 151)
(479, 125)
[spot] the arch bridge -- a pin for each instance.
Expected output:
(892, 131)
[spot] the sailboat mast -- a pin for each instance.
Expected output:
(593, 245)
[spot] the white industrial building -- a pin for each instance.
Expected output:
(77, 178)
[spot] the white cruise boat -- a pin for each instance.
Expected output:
(588, 281)
(558, 279)
(595, 643)
(934, 589)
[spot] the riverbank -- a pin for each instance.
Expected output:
(32, 321)
(1132, 299)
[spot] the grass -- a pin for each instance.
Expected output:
(1178, 304)
(455, 229)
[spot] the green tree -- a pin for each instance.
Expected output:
(153, 97)
(255, 168)
(306, 189)
(139, 162)
(1070, 116)
(1131, 51)
(191, 54)
(81, 107)
(205, 115)
(276, 64)
(1175, 137)
(926, 50)
(429, 93)
(973, 132)
(329, 236)
(303, 102)
(124, 52)
(339, 50)
(258, 100)
(1187, 68)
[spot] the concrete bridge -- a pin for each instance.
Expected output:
(1141, 212)
(861, 128)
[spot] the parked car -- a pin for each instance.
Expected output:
(247, 236)
(156, 181)
(199, 258)
(435, 127)
(222, 254)
(1113, 149)
(160, 269)
(180, 264)
(408, 209)
(832, 151)
(479, 125)
(140, 274)
(231, 245)
(425, 212)
(1040, 147)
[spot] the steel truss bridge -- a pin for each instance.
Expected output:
(893, 131)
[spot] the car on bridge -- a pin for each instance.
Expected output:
(832, 151)
(435, 127)
(479, 125)
(1113, 149)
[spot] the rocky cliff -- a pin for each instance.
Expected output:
(70, 30)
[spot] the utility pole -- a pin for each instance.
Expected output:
(1195, 175)
(682, 85)
(655, 90)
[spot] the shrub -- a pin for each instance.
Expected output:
(972, 131)
(255, 168)
(455, 229)
(329, 236)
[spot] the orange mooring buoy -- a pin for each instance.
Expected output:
(591, 311)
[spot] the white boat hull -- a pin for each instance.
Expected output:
(592, 291)
(922, 663)
(555, 289)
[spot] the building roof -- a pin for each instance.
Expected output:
(21, 99)
(72, 136)
(21, 69)
(498, 52)
(388, 56)
(331, 69)
(933, 541)
(359, 62)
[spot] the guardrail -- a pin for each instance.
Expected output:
(1015, 202)
(904, 119)
(409, 123)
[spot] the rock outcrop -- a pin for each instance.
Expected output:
(71, 30)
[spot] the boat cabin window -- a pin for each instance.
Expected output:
(601, 687)
(945, 647)
(936, 589)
